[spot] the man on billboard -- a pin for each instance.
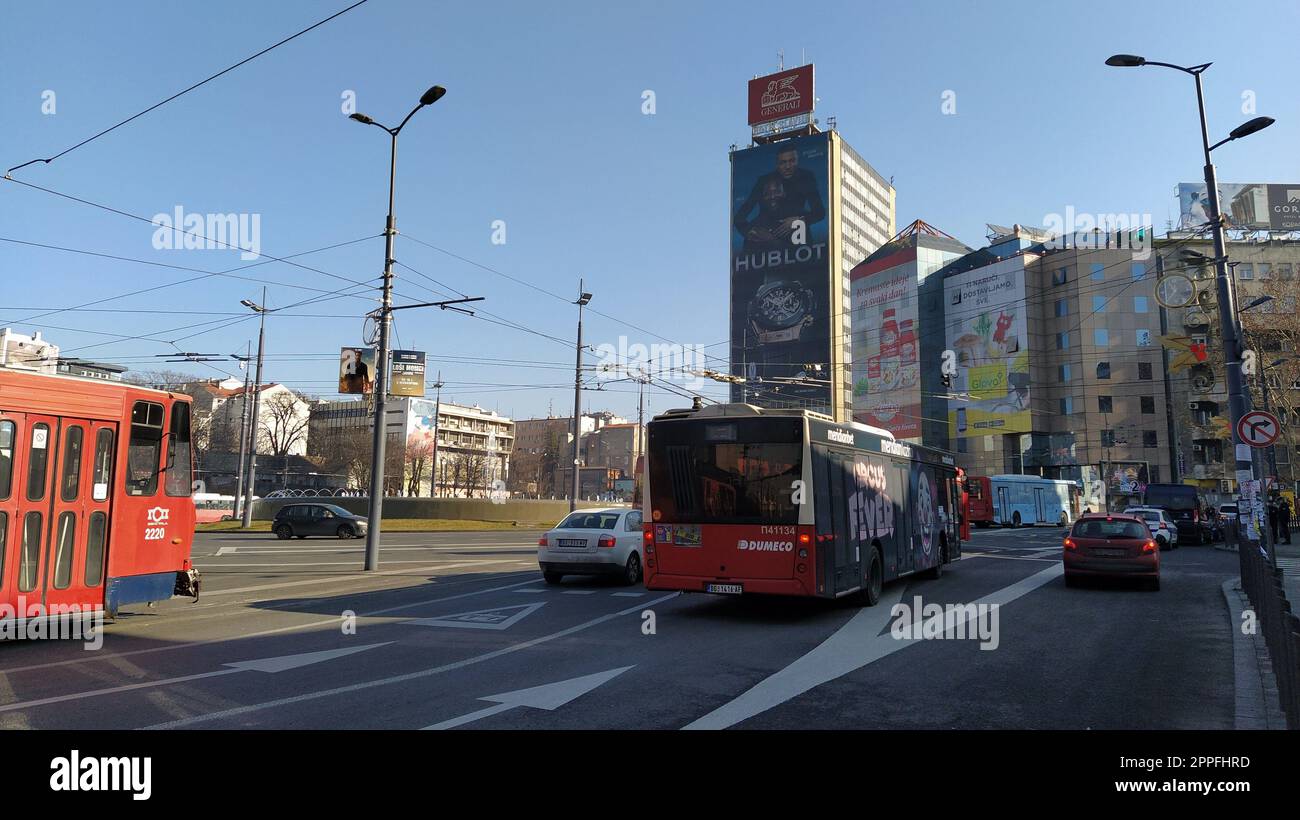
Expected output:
(782, 197)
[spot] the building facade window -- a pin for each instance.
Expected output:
(1063, 341)
(1064, 373)
(1062, 308)
(1101, 337)
(1098, 272)
(1144, 371)
(1246, 271)
(1105, 404)
(1143, 337)
(1149, 439)
(1060, 276)
(1148, 405)
(1103, 370)
(1139, 304)
(1107, 438)
(1067, 405)
(1139, 270)
(1098, 304)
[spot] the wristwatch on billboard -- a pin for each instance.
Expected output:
(780, 311)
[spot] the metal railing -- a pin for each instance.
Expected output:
(1262, 583)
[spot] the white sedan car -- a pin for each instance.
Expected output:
(593, 542)
(1163, 528)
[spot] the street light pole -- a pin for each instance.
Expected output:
(384, 319)
(257, 404)
(247, 362)
(583, 299)
(1228, 318)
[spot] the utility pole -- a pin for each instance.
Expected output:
(246, 362)
(437, 420)
(583, 299)
(249, 485)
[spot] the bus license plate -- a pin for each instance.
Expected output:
(725, 589)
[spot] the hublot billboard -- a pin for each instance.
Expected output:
(781, 271)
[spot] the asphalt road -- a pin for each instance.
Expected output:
(459, 630)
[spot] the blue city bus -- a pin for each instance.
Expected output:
(1028, 500)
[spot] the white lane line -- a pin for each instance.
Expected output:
(351, 577)
(628, 594)
(360, 550)
(307, 564)
(409, 676)
(531, 591)
(327, 622)
(1007, 557)
(856, 644)
(579, 592)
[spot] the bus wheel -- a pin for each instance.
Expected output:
(875, 579)
(936, 572)
(283, 532)
(1015, 519)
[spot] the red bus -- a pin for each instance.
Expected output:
(979, 504)
(741, 499)
(95, 495)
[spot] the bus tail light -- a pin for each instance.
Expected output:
(802, 568)
(805, 539)
(649, 535)
(606, 542)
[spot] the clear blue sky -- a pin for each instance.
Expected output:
(542, 128)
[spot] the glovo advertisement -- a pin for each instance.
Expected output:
(986, 330)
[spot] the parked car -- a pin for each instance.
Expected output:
(1117, 545)
(1227, 514)
(593, 542)
(1184, 505)
(302, 520)
(1162, 526)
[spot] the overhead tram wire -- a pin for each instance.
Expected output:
(184, 92)
(197, 234)
(204, 274)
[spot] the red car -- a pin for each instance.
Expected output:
(1113, 546)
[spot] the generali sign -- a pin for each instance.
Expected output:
(787, 93)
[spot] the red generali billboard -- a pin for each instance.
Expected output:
(787, 93)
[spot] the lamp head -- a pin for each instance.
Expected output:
(1125, 60)
(432, 95)
(1250, 127)
(361, 118)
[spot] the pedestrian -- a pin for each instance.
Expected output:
(1272, 518)
(1284, 520)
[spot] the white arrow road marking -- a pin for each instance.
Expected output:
(272, 665)
(353, 576)
(224, 551)
(852, 647)
(549, 696)
(409, 676)
(494, 618)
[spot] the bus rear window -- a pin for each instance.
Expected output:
(975, 490)
(145, 448)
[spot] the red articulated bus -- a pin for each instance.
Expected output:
(741, 499)
(95, 495)
(979, 503)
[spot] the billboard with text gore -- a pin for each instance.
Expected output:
(783, 94)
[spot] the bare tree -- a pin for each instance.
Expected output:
(419, 456)
(283, 423)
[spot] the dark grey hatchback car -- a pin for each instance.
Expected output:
(302, 520)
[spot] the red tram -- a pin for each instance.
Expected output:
(95, 495)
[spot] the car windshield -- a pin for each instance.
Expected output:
(337, 510)
(1100, 528)
(590, 521)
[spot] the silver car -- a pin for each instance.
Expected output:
(593, 542)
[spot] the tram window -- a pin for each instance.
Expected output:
(30, 559)
(6, 458)
(71, 481)
(38, 462)
(95, 533)
(4, 540)
(144, 449)
(178, 452)
(102, 469)
(63, 547)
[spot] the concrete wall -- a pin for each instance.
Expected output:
(525, 511)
